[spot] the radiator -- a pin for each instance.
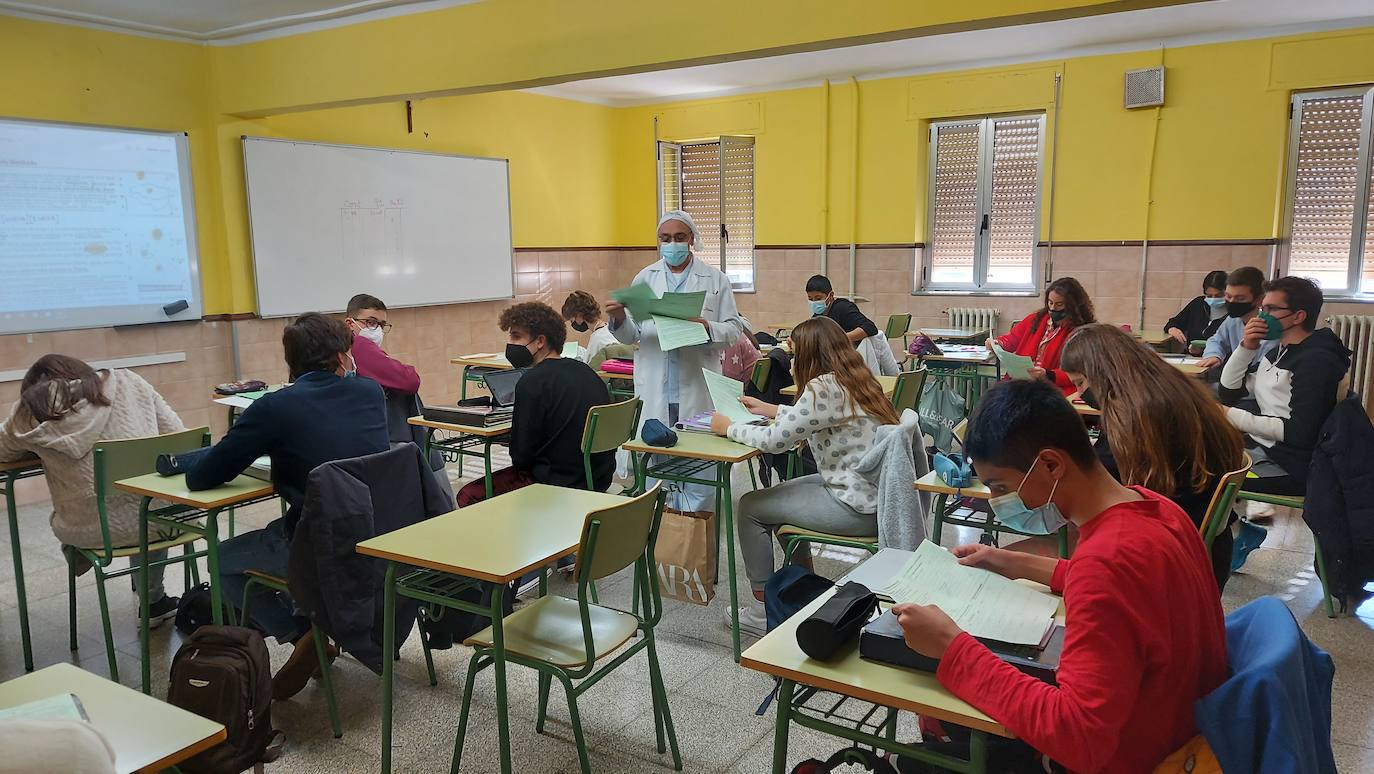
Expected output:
(974, 318)
(1357, 331)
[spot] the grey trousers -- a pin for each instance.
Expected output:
(802, 502)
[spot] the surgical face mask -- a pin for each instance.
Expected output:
(1013, 513)
(1058, 315)
(1215, 303)
(580, 327)
(373, 335)
(1239, 308)
(1275, 326)
(352, 371)
(818, 307)
(519, 355)
(674, 253)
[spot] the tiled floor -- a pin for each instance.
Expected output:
(713, 701)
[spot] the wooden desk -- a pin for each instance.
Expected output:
(147, 735)
(1154, 338)
(481, 360)
(947, 499)
(470, 437)
(183, 514)
(497, 540)
(778, 328)
(694, 456)
(1083, 409)
(848, 675)
(888, 383)
(618, 391)
(10, 474)
(954, 334)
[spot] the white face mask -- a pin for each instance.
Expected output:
(373, 335)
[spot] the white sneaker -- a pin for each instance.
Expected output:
(752, 620)
(1258, 511)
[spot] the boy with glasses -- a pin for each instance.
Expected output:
(366, 320)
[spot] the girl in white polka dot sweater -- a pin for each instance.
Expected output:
(838, 410)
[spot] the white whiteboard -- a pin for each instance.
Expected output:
(97, 227)
(414, 229)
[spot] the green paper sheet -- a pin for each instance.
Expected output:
(640, 299)
(1013, 365)
(570, 349)
(637, 298)
(254, 395)
(674, 333)
(725, 395)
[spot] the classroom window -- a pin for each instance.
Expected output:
(1330, 234)
(714, 183)
(984, 202)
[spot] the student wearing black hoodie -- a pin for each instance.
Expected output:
(1203, 315)
(1295, 384)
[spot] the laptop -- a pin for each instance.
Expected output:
(501, 384)
(482, 412)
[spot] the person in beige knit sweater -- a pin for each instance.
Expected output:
(65, 407)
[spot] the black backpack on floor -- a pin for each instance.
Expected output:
(223, 673)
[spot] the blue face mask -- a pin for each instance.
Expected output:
(674, 253)
(1013, 513)
(349, 373)
(1216, 303)
(817, 307)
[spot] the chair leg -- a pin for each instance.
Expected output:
(753, 479)
(429, 655)
(576, 719)
(474, 666)
(71, 596)
(545, 681)
(105, 620)
(1320, 565)
(656, 684)
(323, 655)
(591, 593)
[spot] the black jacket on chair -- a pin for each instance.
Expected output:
(347, 502)
(1339, 506)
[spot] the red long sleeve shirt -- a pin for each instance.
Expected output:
(1145, 639)
(384, 369)
(1025, 337)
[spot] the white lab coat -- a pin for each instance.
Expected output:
(651, 367)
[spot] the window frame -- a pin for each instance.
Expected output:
(986, 134)
(676, 147)
(1364, 157)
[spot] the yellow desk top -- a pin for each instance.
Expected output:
(496, 540)
(609, 375)
(952, 333)
(700, 446)
(173, 489)
(775, 326)
(777, 654)
(485, 432)
(482, 360)
(1082, 408)
(1154, 338)
(146, 734)
(1188, 368)
(28, 463)
(888, 383)
(931, 482)
(983, 356)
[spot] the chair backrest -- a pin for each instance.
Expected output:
(613, 538)
(608, 428)
(117, 460)
(759, 378)
(1223, 500)
(907, 393)
(960, 430)
(897, 326)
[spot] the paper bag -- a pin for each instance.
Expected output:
(686, 558)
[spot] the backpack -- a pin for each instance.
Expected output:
(194, 609)
(223, 673)
(789, 590)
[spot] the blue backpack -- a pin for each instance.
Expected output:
(789, 590)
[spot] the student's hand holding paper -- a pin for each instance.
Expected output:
(615, 311)
(758, 407)
(1008, 564)
(720, 423)
(926, 628)
(1035, 372)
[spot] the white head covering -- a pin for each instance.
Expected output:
(685, 218)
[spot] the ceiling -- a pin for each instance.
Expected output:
(1133, 31)
(218, 20)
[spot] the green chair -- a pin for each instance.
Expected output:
(763, 367)
(608, 428)
(114, 461)
(619, 386)
(258, 578)
(1223, 501)
(1296, 503)
(898, 326)
(566, 638)
(907, 393)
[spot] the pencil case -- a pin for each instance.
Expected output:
(837, 621)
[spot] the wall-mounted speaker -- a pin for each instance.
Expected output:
(1144, 88)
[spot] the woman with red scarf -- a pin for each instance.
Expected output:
(1041, 335)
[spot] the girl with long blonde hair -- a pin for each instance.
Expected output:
(1167, 433)
(838, 410)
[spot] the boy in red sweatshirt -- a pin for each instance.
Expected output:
(1145, 635)
(366, 319)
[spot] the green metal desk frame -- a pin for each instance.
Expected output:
(7, 482)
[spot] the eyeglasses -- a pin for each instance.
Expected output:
(373, 322)
(1271, 308)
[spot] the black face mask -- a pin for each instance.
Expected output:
(1089, 398)
(580, 327)
(1239, 308)
(1058, 315)
(519, 355)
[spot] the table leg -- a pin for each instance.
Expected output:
(728, 511)
(146, 667)
(938, 508)
(212, 564)
(782, 725)
(429, 441)
(977, 752)
(486, 462)
(17, 553)
(463, 384)
(388, 659)
(498, 657)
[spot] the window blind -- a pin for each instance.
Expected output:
(714, 183)
(1014, 211)
(954, 204)
(1325, 178)
(737, 209)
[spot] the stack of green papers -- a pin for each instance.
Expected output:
(671, 314)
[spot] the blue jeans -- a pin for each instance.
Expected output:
(266, 550)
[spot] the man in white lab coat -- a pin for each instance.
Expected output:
(670, 383)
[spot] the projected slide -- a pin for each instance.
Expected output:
(92, 221)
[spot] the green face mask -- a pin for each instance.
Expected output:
(1275, 326)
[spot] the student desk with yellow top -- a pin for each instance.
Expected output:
(1156, 339)
(888, 383)
(688, 462)
(846, 674)
(498, 541)
(148, 735)
(10, 474)
(184, 513)
(469, 438)
(947, 499)
(954, 334)
(483, 360)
